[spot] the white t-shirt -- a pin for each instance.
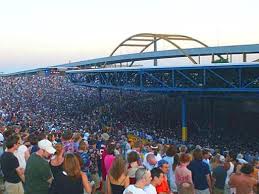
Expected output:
(131, 189)
(1, 138)
(150, 189)
(20, 155)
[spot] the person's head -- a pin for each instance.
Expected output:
(183, 149)
(2, 127)
(151, 159)
(247, 169)
(137, 146)
(185, 158)
(59, 149)
(171, 151)
(154, 148)
(83, 145)
(77, 137)
(118, 168)
(132, 157)
(67, 135)
(205, 154)
(157, 176)
(17, 128)
(71, 166)
(45, 148)
(163, 165)
(222, 159)
(33, 139)
(111, 148)
(143, 177)
(8, 133)
(13, 142)
(197, 154)
(51, 137)
(41, 136)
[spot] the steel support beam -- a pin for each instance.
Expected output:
(184, 125)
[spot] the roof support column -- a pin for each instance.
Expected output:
(155, 49)
(244, 57)
(184, 125)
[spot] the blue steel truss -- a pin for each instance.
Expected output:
(209, 79)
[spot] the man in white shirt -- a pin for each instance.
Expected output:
(157, 178)
(143, 178)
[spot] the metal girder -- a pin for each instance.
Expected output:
(201, 79)
(149, 38)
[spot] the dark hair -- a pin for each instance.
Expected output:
(110, 148)
(33, 139)
(132, 157)
(247, 169)
(232, 155)
(11, 141)
(67, 135)
(171, 151)
(197, 154)
(155, 172)
(50, 136)
(41, 136)
(7, 133)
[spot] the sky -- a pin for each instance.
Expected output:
(40, 33)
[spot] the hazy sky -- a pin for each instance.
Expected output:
(37, 33)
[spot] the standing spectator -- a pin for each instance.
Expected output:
(219, 175)
(163, 188)
(38, 174)
(170, 156)
(117, 179)
(67, 141)
(82, 151)
(184, 176)
(200, 173)
(109, 157)
(133, 165)
(72, 179)
(93, 168)
(22, 154)
(56, 163)
(76, 139)
(143, 178)
(157, 178)
(13, 174)
(2, 129)
(243, 182)
(206, 157)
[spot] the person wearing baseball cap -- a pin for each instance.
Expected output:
(38, 174)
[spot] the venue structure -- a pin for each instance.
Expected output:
(219, 76)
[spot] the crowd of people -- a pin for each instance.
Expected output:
(60, 138)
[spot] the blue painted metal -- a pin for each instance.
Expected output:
(225, 78)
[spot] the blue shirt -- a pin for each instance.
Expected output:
(199, 171)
